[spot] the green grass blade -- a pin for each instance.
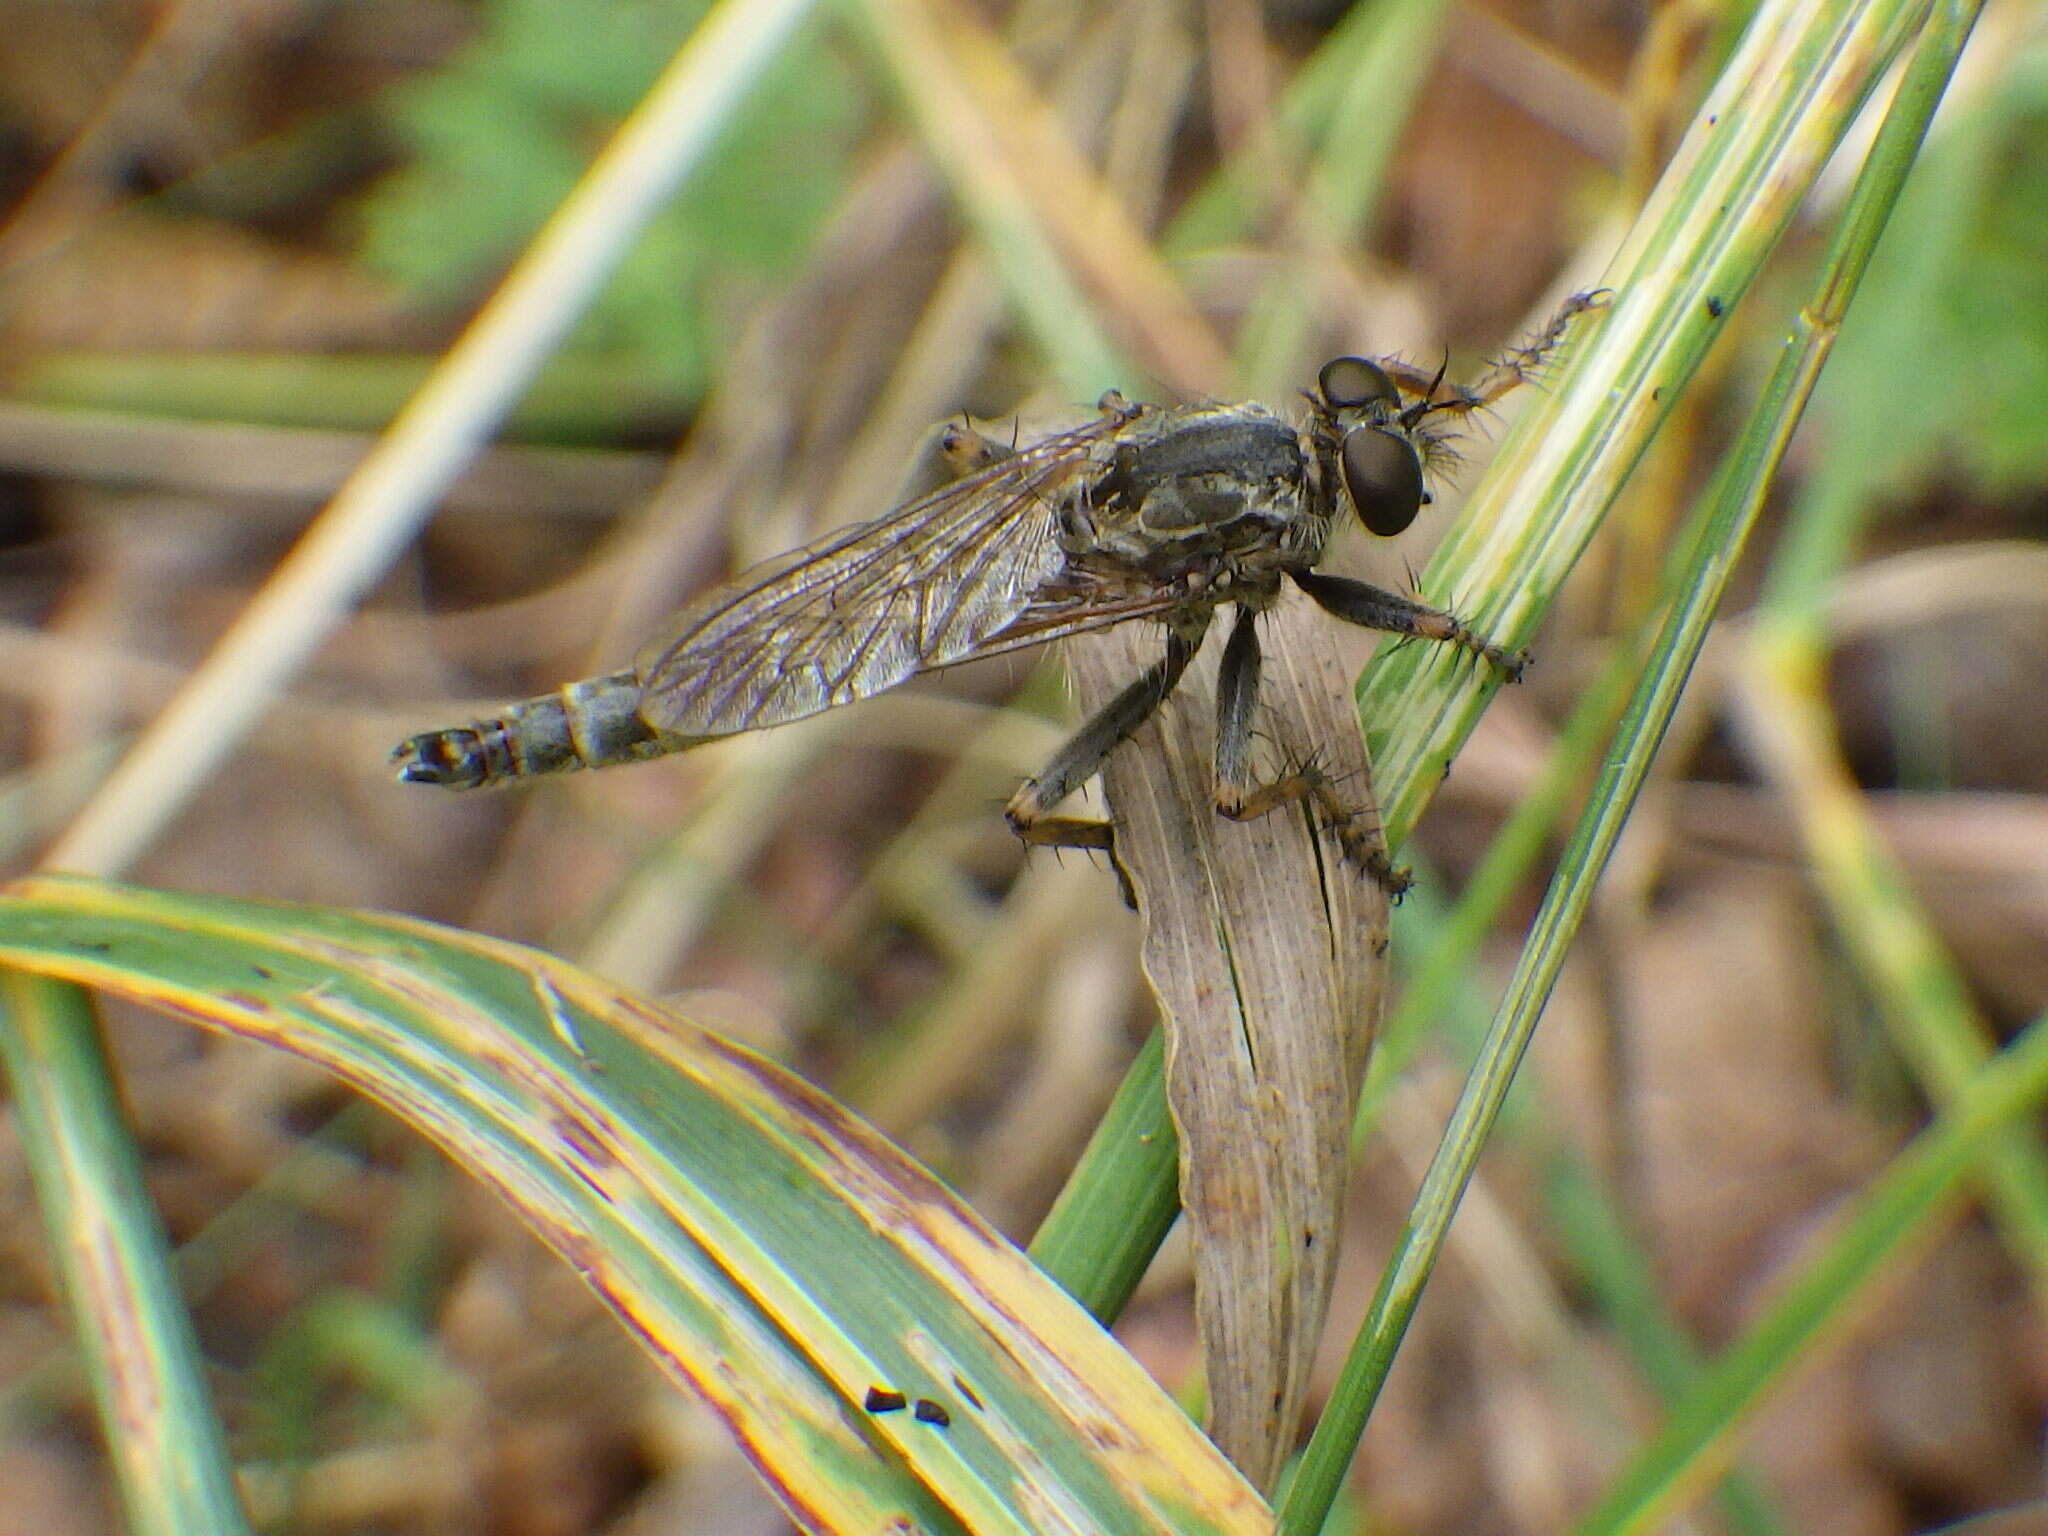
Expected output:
(1737, 498)
(1907, 971)
(377, 512)
(1622, 1278)
(1781, 106)
(165, 1443)
(1104, 1229)
(1798, 79)
(1916, 1189)
(768, 1250)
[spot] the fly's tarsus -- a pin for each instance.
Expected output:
(1519, 365)
(1529, 362)
(1088, 748)
(1304, 781)
(1030, 809)
(1357, 830)
(1089, 834)
(1510, 664)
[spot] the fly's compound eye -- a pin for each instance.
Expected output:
(1383, 473)
(1350, 382)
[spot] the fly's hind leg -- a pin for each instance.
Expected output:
(1030, 809)
(1356, 829)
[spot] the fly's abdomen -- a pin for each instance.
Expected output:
(590, 724)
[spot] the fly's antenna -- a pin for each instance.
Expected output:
(1460, 402)
(1437, 383)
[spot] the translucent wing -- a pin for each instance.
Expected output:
(865, 607)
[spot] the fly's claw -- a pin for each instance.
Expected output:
(1512, 664)
(1390, 877)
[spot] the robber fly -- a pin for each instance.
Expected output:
(1164, 513)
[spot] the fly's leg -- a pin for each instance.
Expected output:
(1516, 367)
(1372, 607)
(1030, 809)
(1237, 695)
(1521, 364)
(1357, 830)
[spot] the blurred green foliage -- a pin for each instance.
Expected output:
(1943, 361)
(498, 136)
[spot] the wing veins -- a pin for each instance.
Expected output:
(739, 661)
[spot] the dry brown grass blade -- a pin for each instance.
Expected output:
(1267, 956)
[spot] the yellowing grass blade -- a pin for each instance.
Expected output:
(792, 1267)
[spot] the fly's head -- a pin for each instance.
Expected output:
(1378, 427)
(1375, 437)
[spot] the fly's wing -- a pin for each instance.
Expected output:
(865, 607)
(1074, 607)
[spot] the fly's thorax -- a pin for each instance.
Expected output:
(1201, 489)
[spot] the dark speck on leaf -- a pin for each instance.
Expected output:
(882, 1400)
(929, 1412)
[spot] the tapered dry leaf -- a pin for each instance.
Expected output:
(1266, 952)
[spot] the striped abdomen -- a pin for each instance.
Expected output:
(590, 724)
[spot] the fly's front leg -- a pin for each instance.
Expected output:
(1030, 809)
(1371, 607)
(1356, 829)
(1528, 361)
(1514, 368)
